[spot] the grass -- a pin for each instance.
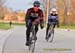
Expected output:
(18, 24)
(67, 27)
(57, 49)
(7, 26)
(4, 26)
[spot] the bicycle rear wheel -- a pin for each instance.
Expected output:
(49, 35)
(33, 47)
(32, 42)
(52, 36)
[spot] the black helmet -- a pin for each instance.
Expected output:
(36, 3)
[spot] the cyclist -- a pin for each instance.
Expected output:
(34, 14)
(53, 17)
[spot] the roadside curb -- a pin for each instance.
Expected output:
(7, 34)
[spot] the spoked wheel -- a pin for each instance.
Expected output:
(52, 36)
(30, 42)
(32, 46)
(48, 36)
(32, 39)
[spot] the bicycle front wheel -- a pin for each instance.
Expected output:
(33, 46)
(52, 36)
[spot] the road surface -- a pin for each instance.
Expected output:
(64, 42)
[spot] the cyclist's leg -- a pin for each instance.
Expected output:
(36, 30)
(47, 29)
(54, 25)
(28, 34)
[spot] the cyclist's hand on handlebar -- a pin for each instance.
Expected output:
(36, 21)
(57, 26)
(42, 27)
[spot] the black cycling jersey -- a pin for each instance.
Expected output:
(32, 15)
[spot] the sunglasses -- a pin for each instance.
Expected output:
(36, 6)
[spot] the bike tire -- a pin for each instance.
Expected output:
(48, 36)
(52, 34)
(32, 47)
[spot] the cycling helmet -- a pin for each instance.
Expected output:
(36, 3)
(53, 9)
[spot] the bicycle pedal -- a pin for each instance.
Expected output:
(51, 41)
(33, 41)
(47, 40)
(34, 38)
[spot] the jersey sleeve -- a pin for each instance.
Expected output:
(42, 19)
(41, 15)
(27, 14)
(57, 17)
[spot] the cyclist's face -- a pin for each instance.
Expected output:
(54, 12)
(36, 8)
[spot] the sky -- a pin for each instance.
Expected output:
(19, 4)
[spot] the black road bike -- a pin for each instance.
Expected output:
(50, 35)
(32, 39)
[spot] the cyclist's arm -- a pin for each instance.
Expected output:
(41, 19)
(57, 19)
(41, 15)
(49, 18)
(27, 16)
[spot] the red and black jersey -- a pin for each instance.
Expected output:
(32, 15)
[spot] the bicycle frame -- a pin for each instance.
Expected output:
(51, 32)
(32, 39)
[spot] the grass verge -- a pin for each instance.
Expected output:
(67, 27)
(4, 26)
(57, 49)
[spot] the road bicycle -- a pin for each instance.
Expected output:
(32, 39)
(51, 32)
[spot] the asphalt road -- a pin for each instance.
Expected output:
(64, 42)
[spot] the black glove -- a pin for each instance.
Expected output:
(28, 23)
(58, 26)
(41, 24)
(42, 27)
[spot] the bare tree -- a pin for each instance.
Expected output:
(63, 9)
(2, 2)
(46, 7)
(44, 2)
(72, 11)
